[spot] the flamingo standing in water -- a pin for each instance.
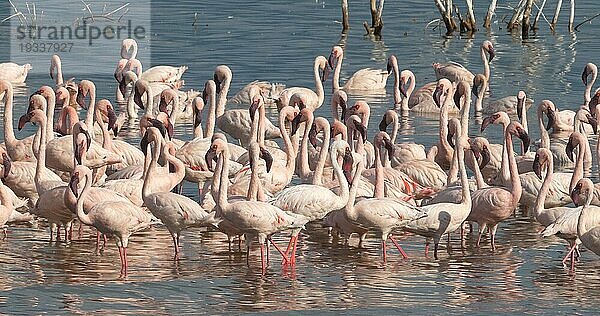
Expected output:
(6, 208)
(254, 218)
(17, 150)
(310, 98)
(116, 218)
(492, 205)
(456, 72)
(366, 79)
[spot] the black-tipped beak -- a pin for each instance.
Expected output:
(81, 99)
(389, 147)
(122, 87)
(437, 96)
(296, 123)
(362, 130)
(217, 83)
(267, 157)
(584, 76)
(492, 53)
(137, 98)
(485, 157)
(456, 97)
(144, 143)
(383, 125)
(161, 127)
(79, 152)
(537, 167)
(347, 164)
(522, 134)
(23, 120)
(520, 105)
(569, 149)
(475, 90)
(6, 164)
(331, 60)
(162, 106)
(253, 107)
(325, 74)
(88, 138)
(389, 67)
(551, 119)
(594, 122)
(450, 139)
(486, 122)
(209, 157)
(74, 183)
(403, 91)
(197, 119)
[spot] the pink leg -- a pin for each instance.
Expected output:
(125, 259)
(293, 256)
(571, 251)
(262, 257)
(289, 248)
(104, 244)
(57, 232)
(426, 248)
(285, 260)
(398, 246)
(121, 259)
(384, 251)
(80, 229)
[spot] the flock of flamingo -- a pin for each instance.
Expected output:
(75, 170)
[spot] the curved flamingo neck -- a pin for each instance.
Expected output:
(409, 91)
(464, 181)
(541, 198)
(9, 134)
(464, 113)
(178, 174)
(588, 89)
(149, 100)
(545, 137)
(51, 102)
(253, 187)
(220, 107)
(106, 139)
(318, 83)
(505, 163)
(59, 74)
(516, 189)
(578, 171)
(477, 172)
(41, 159)
(211, 116)
(318, 173)
(224, 181)
(480, 96)
(395, 126)
(304, 171)
(131, 110)
(289, 149)
(350, 210)
(262, 127)
(443, 128)
(83, 217)
(486, 65)
(336, 73)
(397, 96)
(151, 168)
(89, 119)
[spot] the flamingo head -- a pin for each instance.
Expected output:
(515, 128)
(499, 117)
(479, 83)
(390, 64)
(355, 122)
(463, 89)
(541, 161)
(489, 47)
(167, 96)
(312, 135)
(197, 106)
(479, 147)
(442, 91)
(589, 69)
(585, 188)
(84, 88)
(305, 115)
(348, 163)
(336, 52)
(574, 141)
(255, 105)
(521, 97)
(265, 155)
(74, 183)
(382, 139)
(138, 90)
(406, 76)
(36, 102)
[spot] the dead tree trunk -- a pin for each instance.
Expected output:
(572, 16)
(345, 19)
(488, 17)
(445, 9)
(470, 23)
(376, 18)
(539, 14)
(556, 14)
(517, 16)
(526, 18)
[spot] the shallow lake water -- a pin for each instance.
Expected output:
(275, 41)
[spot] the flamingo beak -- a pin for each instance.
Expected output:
(584, 76)
(522, 134)
(475, 89)
(389, 67)
(161, 127)
(551, 119)
(331, 60)
(492, 53)
(137, 98)
(594, 122)
(520, 105)
(485, 157)
(569, 149)
(383, 125)
(74, 183)
(456, 97)
(362, 130)
(326, 72)
(253, 107)
(217, 83)
(162, 105)
(209, 157)
(6, 164)
(197, 119)
(79, 152)
(537, 166)
(88, 138)
(81, 99)
(390, 148)
(347, 164)
(450, 138)
(267, 157)
(575, 193)
(112, 119)
(486, 122)
(23, 120)
(437, 96)
(122, 87)
(296, 123)
(144, 143)
(403, 91)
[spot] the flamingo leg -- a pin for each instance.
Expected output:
(57, 232)
(570, 253)
(239, 243)
(267, 250)
(51, 233)
(435, 250)
(384, 250)
(398, 246)
(293, 256)
(481, 230)
(121, 258)
(67, 233)
(426, 247)
(175, 246)
(5, 231)
(125, 259)
(289, 248)
(104, 244)
(493, 236)
(279, 250)
(229, 243)
(262, 257)
(80, 229)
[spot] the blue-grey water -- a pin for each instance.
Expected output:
(276, 41)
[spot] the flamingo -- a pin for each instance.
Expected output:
(168, 74)
(17, 150)
(176, 211)
(442, 152)
(509, 104)
(56, 73)
(588, 223)
(303, 169)
(456, 72)
(6, 208)
(117, 218)
(313, 99)
(14, 73)
(579, 141)
(313, 201)
(492, 205)
(366, 79)
(383, 215)
(444, 218)
(254, 218)
(270, 90)
(590, 69)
